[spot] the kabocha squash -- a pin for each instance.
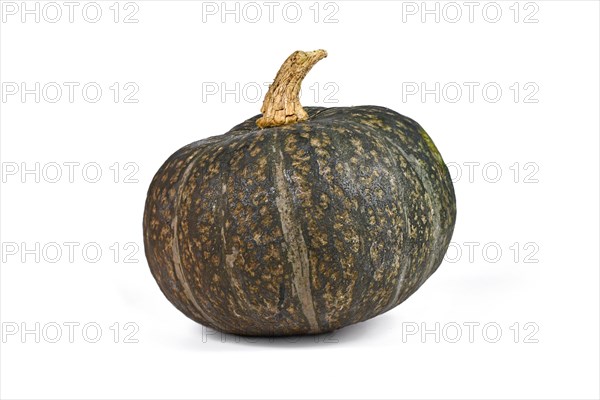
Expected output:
(299, 221)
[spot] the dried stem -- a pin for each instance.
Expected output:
(282, 103)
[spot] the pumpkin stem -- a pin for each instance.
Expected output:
(282, 103)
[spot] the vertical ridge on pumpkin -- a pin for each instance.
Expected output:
(228, 258)
(228, 263)
(296, 247)
(158, 234)
(178, 267)
(403, 258)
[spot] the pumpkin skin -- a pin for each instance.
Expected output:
(301, 228)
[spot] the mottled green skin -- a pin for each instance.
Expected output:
(303, 228)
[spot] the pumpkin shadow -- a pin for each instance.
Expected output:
(361, 332)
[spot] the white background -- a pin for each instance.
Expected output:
(541, 291)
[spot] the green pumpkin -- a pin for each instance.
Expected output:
(299, 221)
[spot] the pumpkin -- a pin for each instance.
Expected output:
(299, 221)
